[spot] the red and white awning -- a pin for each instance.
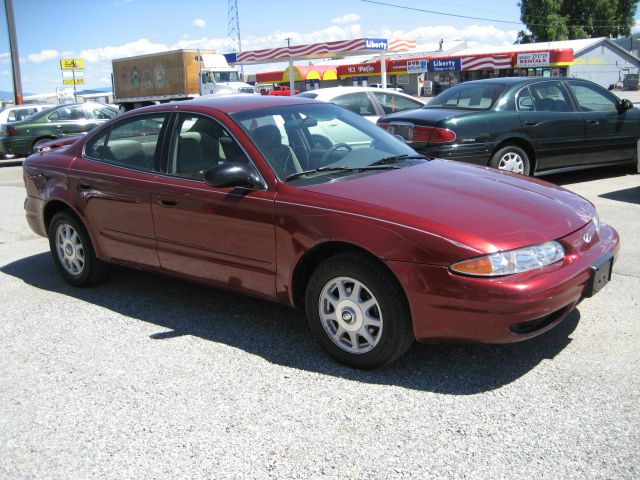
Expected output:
(486, 62)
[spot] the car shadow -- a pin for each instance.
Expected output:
(279, 334)
(629, 195)
(589, 175)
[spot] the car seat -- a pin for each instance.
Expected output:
(280, 157)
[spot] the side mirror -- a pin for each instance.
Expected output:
(625, 105)
(233, 174)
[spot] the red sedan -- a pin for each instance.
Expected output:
(311, 205)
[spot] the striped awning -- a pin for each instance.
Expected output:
(358, 46)
(486, 62)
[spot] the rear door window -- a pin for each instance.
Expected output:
(132, 143)
(391, 102)
(550, 97)
(356, 102)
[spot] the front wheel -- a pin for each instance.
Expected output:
(512, 159)
(73, 252)
(357, 311)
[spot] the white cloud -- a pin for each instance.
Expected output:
(636, 27)
(348, 18)
(278, 39)
(139, 47)
(43, 56)
(474, 35)
(5, 58)
(200, 23)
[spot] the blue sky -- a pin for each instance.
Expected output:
(99, 30)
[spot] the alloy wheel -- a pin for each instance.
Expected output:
(350, 315)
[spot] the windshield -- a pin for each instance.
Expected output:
(475, 96)
(226, 76)
(324, 140)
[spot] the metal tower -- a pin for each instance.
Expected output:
(233, 28)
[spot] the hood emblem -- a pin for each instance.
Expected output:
(587, 237)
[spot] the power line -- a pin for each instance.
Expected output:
(495, 20)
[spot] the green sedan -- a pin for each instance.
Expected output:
(20, 138)
(531, 126)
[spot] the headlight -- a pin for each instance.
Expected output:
(512, 261)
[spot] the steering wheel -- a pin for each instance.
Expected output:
(335, 147)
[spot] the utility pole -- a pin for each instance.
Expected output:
(13, 47)
(292, 83)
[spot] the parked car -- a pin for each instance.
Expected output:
(15, 113)
(370, 102)
(377, 244)
(20, 138)
(530, 126)
(281, 91)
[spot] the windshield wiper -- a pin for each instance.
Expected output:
(396, 158)
(293, 176)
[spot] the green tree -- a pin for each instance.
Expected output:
(549, 20)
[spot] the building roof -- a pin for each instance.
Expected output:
(576, 45)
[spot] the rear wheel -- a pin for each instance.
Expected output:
(357, 311)
(73, 252)
(512, 159)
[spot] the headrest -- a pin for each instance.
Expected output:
(267, 136)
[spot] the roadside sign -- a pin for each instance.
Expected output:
(73, 81)
(416, 66)
(71, 64)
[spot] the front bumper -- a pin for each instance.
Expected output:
(450, 307)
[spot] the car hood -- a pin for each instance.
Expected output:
(483, 209)
(427, 115)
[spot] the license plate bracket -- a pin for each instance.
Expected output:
(600, 275)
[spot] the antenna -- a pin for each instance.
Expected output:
(233, 29)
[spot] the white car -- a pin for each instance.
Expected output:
(16, 113)
(388, 87)
(370, 102)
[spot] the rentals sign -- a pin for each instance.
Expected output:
(533, 60)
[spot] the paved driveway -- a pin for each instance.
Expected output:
(150, 377)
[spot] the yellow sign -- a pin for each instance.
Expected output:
(71, 81)
(71, 64)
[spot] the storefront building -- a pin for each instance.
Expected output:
(597, 59)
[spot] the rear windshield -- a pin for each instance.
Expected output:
(469, 96)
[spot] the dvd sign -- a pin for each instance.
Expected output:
(533, 60)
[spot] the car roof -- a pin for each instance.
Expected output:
(234, 103)
(332, 92)
(28, 105)
(519, 80)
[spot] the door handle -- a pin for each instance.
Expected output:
(531, 123)
(594, 122)
(168, 201)
(84, 186)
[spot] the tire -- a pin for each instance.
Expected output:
(73, 252)
(512, 159)
(373, 327)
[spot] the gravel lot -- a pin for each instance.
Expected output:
(149, 377)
